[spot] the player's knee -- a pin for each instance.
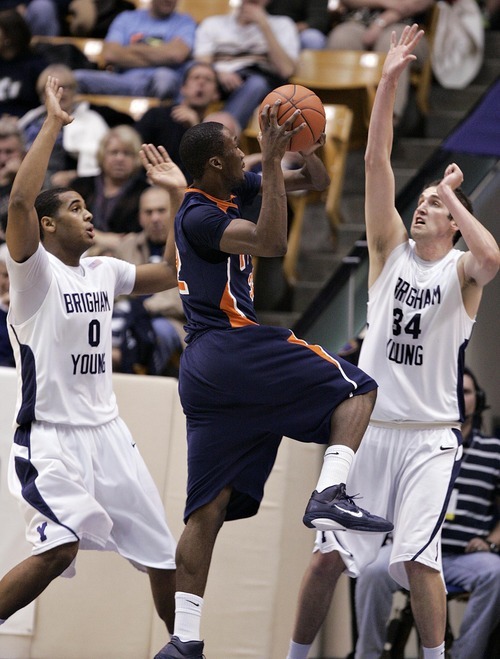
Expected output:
(326, 565)
(365, 402)
(416, 570)
(56, 560)
(372, 396)
(213, 514)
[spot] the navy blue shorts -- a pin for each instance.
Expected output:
(242, 390)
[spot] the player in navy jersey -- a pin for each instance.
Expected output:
(423, 297)
(75, 469)
(244, 386)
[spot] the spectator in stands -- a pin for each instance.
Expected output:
(12, 151)
(164, 308)
(42, 16)
(369, 26)
(134, 343)
(145, 51)
(92, 18)
(19, 67)
(470, 542)
(113, 195)
(252, 52)
(75, 151)
(311, 17)
(166, 125)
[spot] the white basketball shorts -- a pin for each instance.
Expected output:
(405, 475)
(90, 484)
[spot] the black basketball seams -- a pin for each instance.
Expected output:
(291, 98)
(285, 112)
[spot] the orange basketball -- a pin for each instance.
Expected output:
(297, 97)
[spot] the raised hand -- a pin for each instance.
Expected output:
(453, 176)
(400, 53)
(160, 168)
(273, 137)
(53, 93)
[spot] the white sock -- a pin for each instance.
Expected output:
(336, 465)
(298, 651)
(187, 616)
(434, 653)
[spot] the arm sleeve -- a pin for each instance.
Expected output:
(125, 275)
(119, 31)
(29, 282)
(205, 41)
(287, 35)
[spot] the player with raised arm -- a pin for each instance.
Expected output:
(75, 469)
(423, 299)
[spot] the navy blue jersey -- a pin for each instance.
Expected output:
(242, 385)
(216, 288)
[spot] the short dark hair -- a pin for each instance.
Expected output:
(16, 29)
(200, 143)
(48, 203)
(462, 198)
(193, 65)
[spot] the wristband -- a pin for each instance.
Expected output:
(493, 547)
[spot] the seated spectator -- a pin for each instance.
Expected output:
(92, 18)
(145, 51)
(134, 341)
(75, 151)
(19, 66)
(252, 53)
(113, 195)
(12, 151)
(42, 16)
(311, 17)
(164, 308)
(166, 125)
(470, 541)
(370, 26)
(6, 354)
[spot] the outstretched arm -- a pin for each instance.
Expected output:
(23, 233)
(161, 171)
(480, 264)
(384, 227)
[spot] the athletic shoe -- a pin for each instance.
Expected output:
(333, 510)
(178, 649)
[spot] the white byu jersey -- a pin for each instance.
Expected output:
(59, 324)
(418, 330)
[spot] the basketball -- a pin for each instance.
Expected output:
(297, 97)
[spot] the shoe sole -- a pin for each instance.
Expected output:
(327, 524)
